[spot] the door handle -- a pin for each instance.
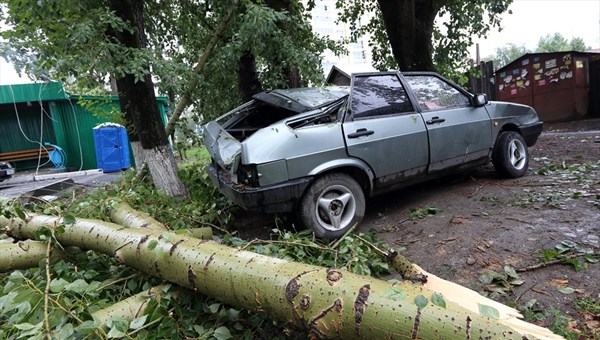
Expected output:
(361, 133)
(435, 120)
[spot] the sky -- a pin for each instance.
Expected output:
(530, 20)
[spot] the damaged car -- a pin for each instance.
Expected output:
(6, 171)
(319, 152)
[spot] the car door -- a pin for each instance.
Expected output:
(382, 128)
(458, 131)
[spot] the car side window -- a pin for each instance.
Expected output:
(434, 93)
(378, 95)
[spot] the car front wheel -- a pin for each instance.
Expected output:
(332, 205)
(510, 155)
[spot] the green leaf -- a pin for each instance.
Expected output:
(233, 314)
(438, 300)
(152, 244)
(118, 328)
(569, 244)
(591, 259)
(138, 322)
(488, 311)
(69, 219)
(58, 285)
(20, 213)
(549, 254)
(487, 277)
(222, 333)
(115, 333)
(60, 230)
(66, 331)
(510, 271)
(28, 331)
(395, 293)
(87, 327)
(24, 326)
(214, 307)
(421, 301)
(43, 234)
(578, 264)
(77, 286)
(566, 290)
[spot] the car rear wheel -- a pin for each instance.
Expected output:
(510, 155)
(332, 205)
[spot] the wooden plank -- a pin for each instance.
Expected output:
(23, 155)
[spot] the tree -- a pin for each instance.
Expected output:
(507, 54)
(578, 44)
(94, 40)
(557, 42)
(143, 41)
(138, 101)
(328, 302)
(407, 30)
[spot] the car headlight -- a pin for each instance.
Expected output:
(247, 174)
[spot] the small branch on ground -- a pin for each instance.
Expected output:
(549, 263)
(526, 290)
(475, 192)
(337, 243)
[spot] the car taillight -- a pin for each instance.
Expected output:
(248, 175)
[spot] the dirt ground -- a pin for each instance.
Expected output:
(483, 223)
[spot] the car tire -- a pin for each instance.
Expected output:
(332, 205)
(510, 155)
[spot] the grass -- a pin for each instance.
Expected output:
(194, 154)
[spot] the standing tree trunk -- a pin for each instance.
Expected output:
(409, 26)
(329, 303)
(138, 102)
(248, 82)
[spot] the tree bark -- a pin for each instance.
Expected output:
(248, 82)
(21, 255)
(138, 102)
(330, 303)
(126, 216)
(409, 26)
(130, 308)
(138, 151)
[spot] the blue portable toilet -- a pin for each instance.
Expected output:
(112, 147)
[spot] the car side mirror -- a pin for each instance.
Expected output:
(480, 99)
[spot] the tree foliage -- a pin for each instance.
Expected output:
(422, 34)
(549, 43)
(557, 43)
(507, 53)
(67, 40)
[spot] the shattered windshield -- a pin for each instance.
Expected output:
(314, 96)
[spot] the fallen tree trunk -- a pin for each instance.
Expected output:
(21, 255)
(329, 303)
(126, 216)
(130, 308)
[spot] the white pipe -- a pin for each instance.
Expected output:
(67, 174)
